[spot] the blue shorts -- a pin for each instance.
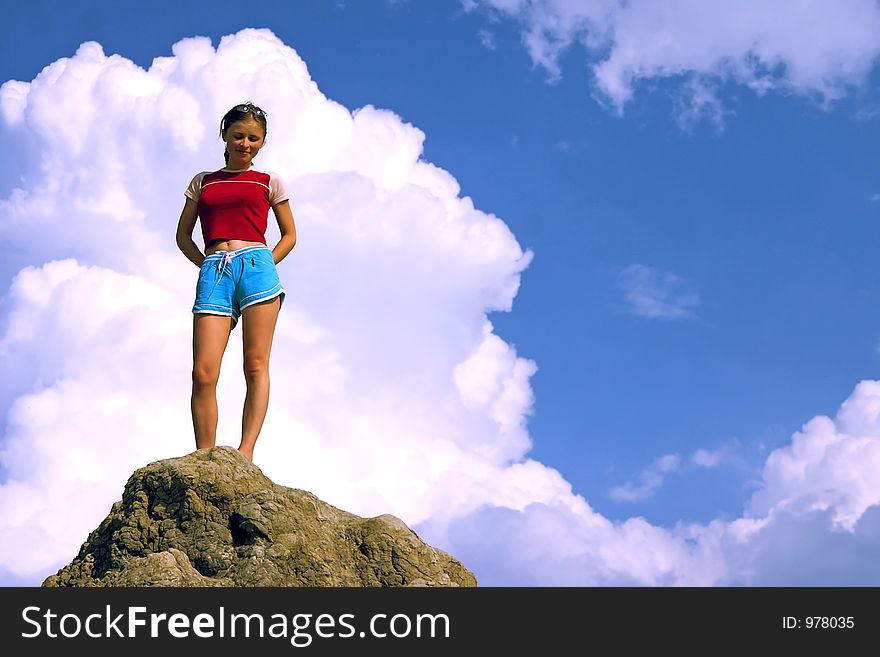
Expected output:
(230, 281)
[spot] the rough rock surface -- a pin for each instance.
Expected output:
(212, 518)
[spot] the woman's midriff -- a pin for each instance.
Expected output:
(230, 245)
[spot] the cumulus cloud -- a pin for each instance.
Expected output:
(831, 464)
(815, 48)
(391, 391)
(657, 294)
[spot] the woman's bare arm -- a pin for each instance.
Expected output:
(287, 226)
(185, 226)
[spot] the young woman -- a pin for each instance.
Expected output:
(237, 273)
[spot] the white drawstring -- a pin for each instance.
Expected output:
(225, 259)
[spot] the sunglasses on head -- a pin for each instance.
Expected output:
(248, 107)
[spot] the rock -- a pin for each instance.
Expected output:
(212, 518)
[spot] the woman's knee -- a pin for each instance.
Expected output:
(256, 368)
(205, 376)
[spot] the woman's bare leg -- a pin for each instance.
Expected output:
(258, 329)
(210, 337)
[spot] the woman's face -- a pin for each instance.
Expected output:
(244, 139)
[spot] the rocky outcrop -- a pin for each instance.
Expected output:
(212, 518)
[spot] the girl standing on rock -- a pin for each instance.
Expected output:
(237, 271)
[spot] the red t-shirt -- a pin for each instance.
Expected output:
(234, 205)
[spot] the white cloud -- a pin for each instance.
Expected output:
(815, 48)
(487, 39)
(707, 459)
(391, 391)
(651, 479)
(831, 464)
(657, 294)
(813, 521)
(649, 482)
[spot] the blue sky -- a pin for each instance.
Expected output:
(694, 192)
